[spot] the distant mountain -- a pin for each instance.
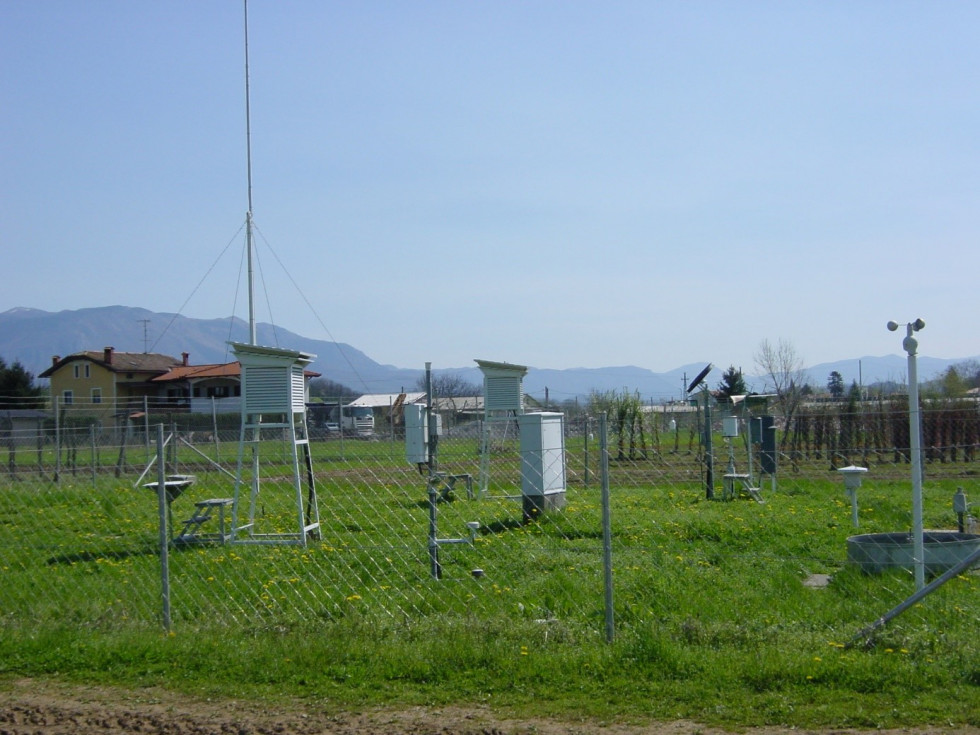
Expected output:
(33, 337)
(887, 369)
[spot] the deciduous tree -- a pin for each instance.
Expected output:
(783, 370)
(450, 385)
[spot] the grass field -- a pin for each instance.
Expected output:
(713, 620)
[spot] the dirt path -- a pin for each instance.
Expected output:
(29, 707)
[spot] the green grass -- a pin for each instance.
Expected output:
(712, 620)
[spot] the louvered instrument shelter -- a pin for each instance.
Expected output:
(273, 403)
(503, 402)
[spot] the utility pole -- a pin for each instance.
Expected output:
(146, 339)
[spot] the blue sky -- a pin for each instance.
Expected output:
(556, 184)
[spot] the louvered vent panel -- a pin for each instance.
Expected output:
(505, 394)
(298, 392)
(266, 390)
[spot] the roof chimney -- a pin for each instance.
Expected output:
(185, 355)
(107, 355)
(55, 359)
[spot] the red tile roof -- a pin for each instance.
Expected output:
(121, 362)
(190, 372)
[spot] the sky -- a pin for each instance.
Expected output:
(551, 183)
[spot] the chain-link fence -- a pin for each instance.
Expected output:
(771, 547)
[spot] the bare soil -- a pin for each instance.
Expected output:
(30, 707)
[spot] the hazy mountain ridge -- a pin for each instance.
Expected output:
(34, 336)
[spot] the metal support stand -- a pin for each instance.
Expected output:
(439, 486)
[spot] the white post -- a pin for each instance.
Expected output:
(915, 434)
(910, 344)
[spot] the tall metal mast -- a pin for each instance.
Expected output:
(248, 215)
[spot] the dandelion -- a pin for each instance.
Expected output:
(524, 651)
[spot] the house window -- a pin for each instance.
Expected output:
(88, 372)
(96, 394)
(67, 397)
(77, 371)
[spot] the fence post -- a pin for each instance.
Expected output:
(606, 527)
(214, 429)
(340, 424)
(588, 428)
(57, 440)
(92, 439)
(164, 531)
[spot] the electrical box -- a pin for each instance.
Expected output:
(417, 433)
(729, 426)
(960, 504)
(542, 462)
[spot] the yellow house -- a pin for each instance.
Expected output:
(107, 382)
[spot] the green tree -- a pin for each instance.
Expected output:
(628, 425)
(835, 385)
(17, 386)
(324, 388)
(953, 383)
(624, 412)
(602, 402)
(732, 383)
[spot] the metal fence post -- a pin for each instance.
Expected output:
(606, 527)
(57, 440)
(588, 428)
(94, 462)
(164, 532)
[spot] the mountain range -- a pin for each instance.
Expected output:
(33, 337)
